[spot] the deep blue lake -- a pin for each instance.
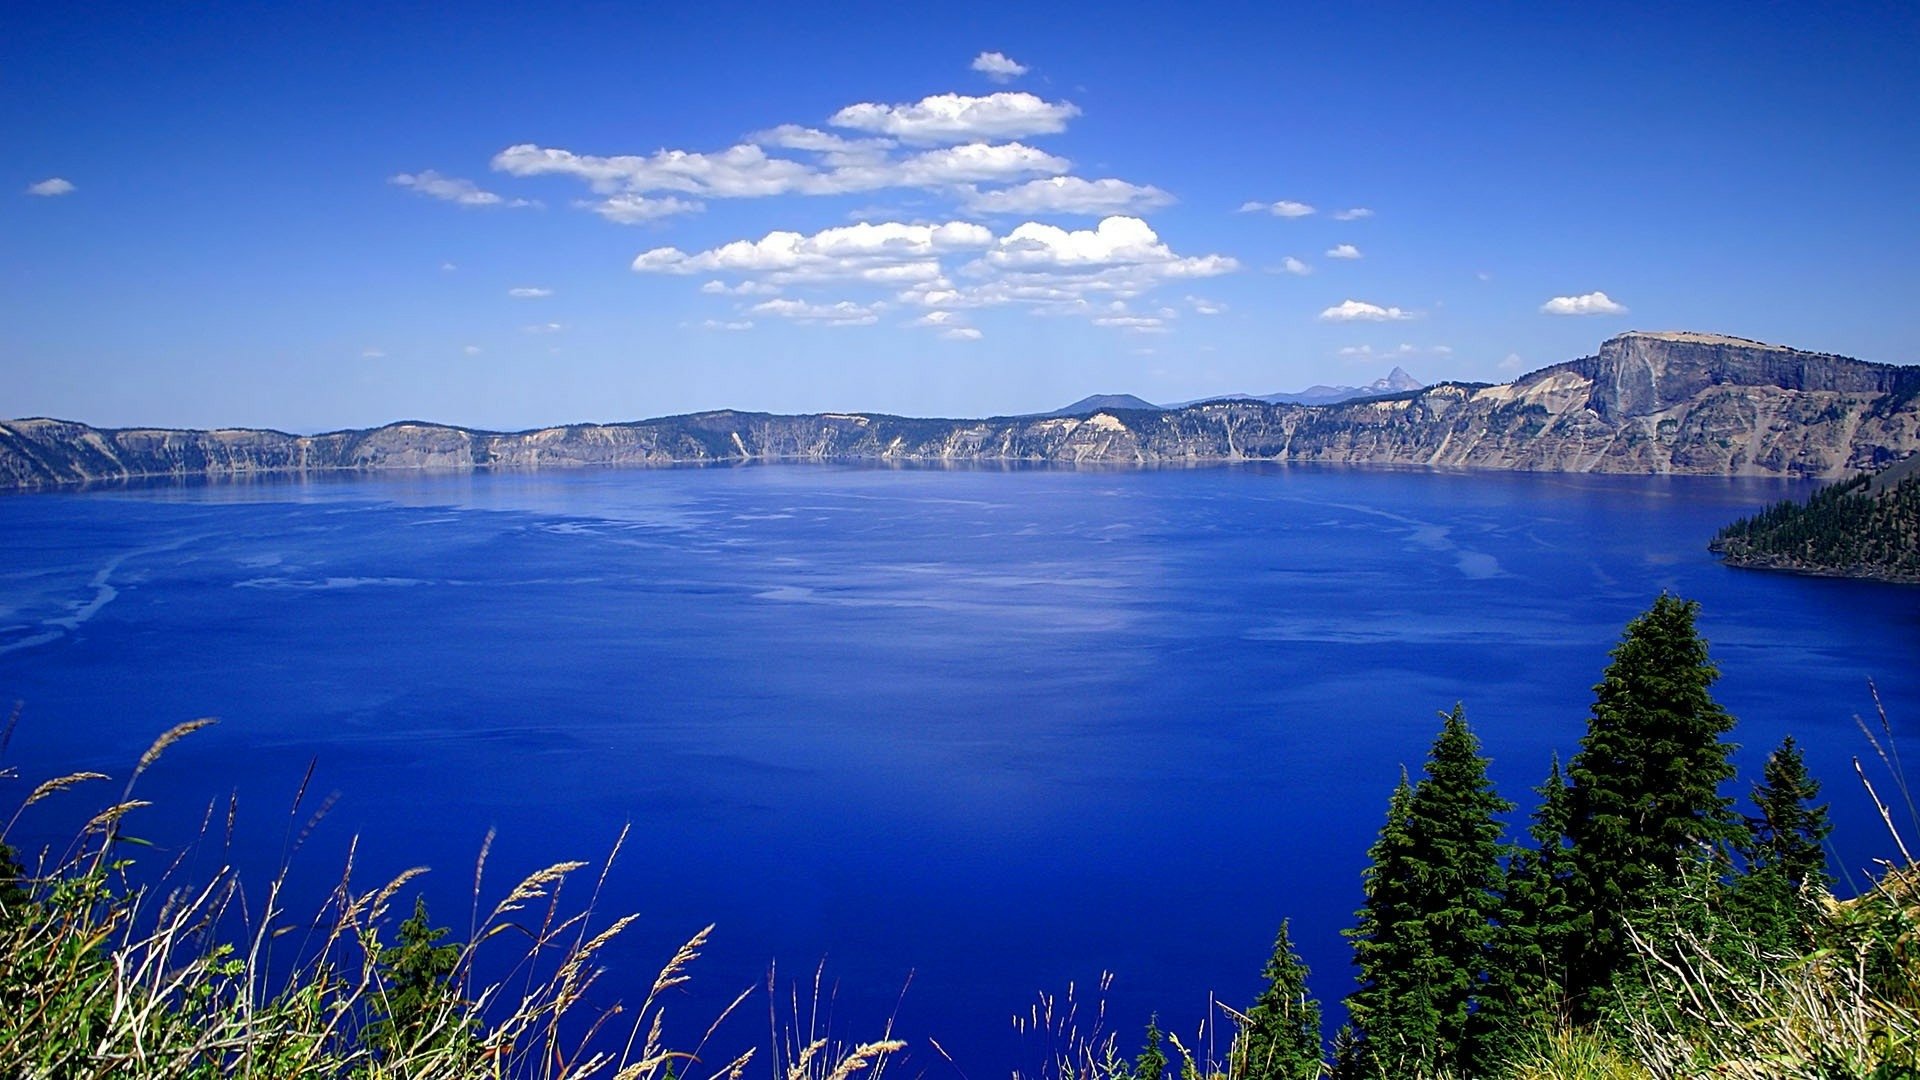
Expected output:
(1002, 730)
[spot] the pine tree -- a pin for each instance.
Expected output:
(1431, 897)
(1526, 977)
(1644, 798)
(420, 1007)
(1281, 1037)
(1454, 817)
(1785, 855)
(1152, 1062)
(1790, 832)
(1388, 1020)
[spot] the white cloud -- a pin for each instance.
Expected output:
(451, 189)
(51, 186)
(743, 171)
(732, 324)
(1399, 352)
(887, 252)
(1285, 208)
(1069, 195)
(529, 293)
(947, 267)
(629, 209)
(1134, 324)
(1116, 241)
(546, 328)
(1512, 362)
(1352, 214)
(1361, 311)
(1593, 303)
(471, 350)
(1203, 306)
(372, 353)
(843, 313)
(950, 324)
(448, 267)
(747, 171)
(1343, 251)
(1295, 267)
(998, 66)
(954, 118)
(834, 149)
(970, 164)
(745, 288)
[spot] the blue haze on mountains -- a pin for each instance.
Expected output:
(997, 729)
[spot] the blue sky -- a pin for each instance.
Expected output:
(508, 217)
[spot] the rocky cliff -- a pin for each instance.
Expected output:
(1646, 403)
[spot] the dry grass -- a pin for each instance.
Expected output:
(103, 974)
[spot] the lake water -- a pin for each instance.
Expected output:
(1001, 730)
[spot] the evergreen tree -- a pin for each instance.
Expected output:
(1785, 855)
(1390, 1025)
(1431, 897)
(420, 1007)
(1526, 977)
(1281, 1038)
(1644, 798)
(1790, 832)
(1152, 1062)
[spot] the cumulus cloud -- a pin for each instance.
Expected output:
(1295, 267)
(1069, 195)
(526, 292)
(1593, 303)
(1511, 363)
(1361, 311)
(1203, 306)
(1285, 208)
(961, 333)
(372, 353)
(51, 186)
(741, 171)
(998, 66)
(944, 268)
(1343, 251)
(747, 171)
(745, 288)
(843, 313)
(546, 328)
(1355, 213)
(1134, 324)
(1116, 241)
(956, 118)
(628, 209)
(969, 164)
(471, 350)
(451, 189)
(727, 324)
(887, 252)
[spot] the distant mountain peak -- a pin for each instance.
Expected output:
(1100, 402)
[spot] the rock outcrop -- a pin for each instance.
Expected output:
(1646, 403)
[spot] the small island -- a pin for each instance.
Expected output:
(1864, 527)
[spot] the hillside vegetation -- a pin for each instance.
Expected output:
(1647, 927)
(1867, 526)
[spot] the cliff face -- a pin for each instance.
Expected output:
(1646, 403)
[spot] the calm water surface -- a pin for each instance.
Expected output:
(999, 730)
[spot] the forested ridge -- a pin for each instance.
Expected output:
(1648, 925)
(1866, 526)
